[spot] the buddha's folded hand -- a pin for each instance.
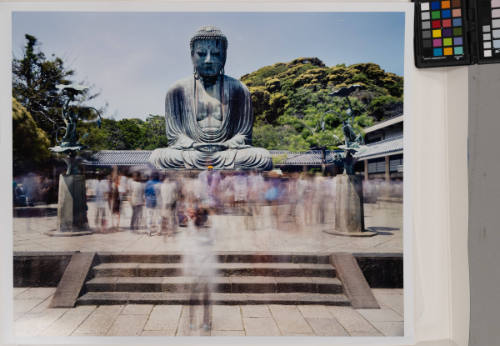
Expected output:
(237, 142)
(210, 147)
(183, 142)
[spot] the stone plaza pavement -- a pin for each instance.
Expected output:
(231, 234)
(32, 317)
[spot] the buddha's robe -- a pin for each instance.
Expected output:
(226, 145)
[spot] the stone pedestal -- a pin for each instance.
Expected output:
(71, 209)
(349, 215)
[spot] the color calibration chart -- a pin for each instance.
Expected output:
(488, 22)
(441, 33)
(456, 32)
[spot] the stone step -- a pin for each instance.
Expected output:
(112, 298)
(224, 269)
(228, 284)
(222, 257)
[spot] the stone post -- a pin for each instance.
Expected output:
(349, 213)
(349, 216)
(72, 207)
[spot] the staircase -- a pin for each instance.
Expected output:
(241, 278)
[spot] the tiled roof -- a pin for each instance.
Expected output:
(385, 123)
(382, 148)
(309, 158)
(120, 158)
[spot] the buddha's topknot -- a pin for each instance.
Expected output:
(208, 32)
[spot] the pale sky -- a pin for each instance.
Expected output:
(133, 58)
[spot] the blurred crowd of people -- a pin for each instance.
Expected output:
(161, 202)
(32, 189)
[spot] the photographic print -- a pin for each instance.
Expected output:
(208, 173)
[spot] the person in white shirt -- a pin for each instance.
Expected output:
(136, 190)
(101, 189)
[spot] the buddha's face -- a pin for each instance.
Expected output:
(208, 57)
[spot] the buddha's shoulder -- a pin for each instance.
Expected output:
(181, 85)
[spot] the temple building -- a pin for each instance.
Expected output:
(383, 155)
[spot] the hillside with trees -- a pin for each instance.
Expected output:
(294, 109)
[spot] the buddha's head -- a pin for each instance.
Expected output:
(208, 51)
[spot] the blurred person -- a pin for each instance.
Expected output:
(169, 191)
(240, 188)
(199, 257)
(136, 195)
(308, 199)
(272, 197)
(30, 185)
(184, 188)
(101, 189)
(124, 189)
(292, 196)
(45, 187)
(152, 196)
(226, 190)
(301, 186)
(114, 199)
(211, 180)
(20, 198)
(256, 188)
(320, 198)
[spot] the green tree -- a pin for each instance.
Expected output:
(155, 132)
(34, 85)
(30, 143)
(127, 134)
(131, 133)
(278, 138)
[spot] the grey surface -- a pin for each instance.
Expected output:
(349, 215)
(29, 234)
(355, 284)
(33, 317)
(71, 213)
(72, 280)
(484, 201)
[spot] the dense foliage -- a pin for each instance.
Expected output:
(34, 86)
(127, 134)
(294, 109)
(30, 143)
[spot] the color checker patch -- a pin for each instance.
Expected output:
(448, 51)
